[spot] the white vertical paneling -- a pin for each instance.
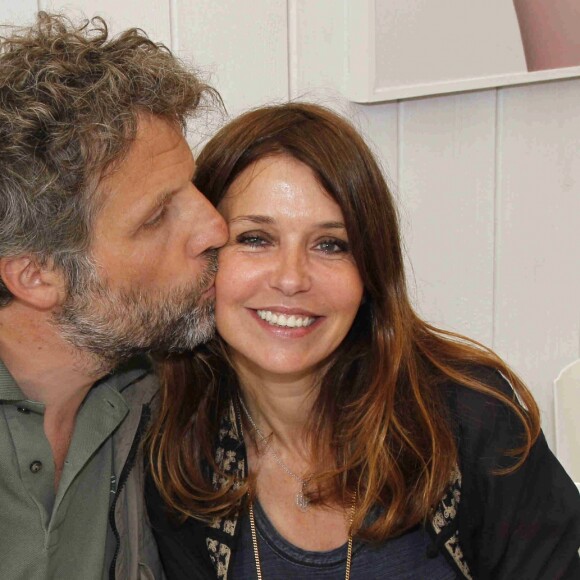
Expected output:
(19, 13)
(174, 26)
(316, 37)
(446, 180)
(538, 262)
(243, 45)
(379, 125)
(153, 16)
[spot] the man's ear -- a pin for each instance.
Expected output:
(39, 286)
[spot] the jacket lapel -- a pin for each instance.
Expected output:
(230, 457)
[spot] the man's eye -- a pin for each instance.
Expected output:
(156, 218)
(333, 246)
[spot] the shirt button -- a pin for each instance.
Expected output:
(23, 410)
(35, 466)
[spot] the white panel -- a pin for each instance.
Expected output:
(316, 37)
(244, 45)
(360, 44)
(399, 49)
(19, 13)
(446, 181)
(379, 126)
(567, 411)
(538, 273)
(421, 41)
(152, 16)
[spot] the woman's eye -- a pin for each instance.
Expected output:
(252, 240)
(333, 246)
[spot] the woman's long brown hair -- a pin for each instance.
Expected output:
(381, 422)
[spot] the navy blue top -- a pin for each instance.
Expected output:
(403, 558)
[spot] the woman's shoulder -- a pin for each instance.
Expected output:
(469, 399)
(492, 427)
(483, 417)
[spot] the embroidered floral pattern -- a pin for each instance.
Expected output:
(231, 463)
(444, 516)
(453, 547)
(220, 555)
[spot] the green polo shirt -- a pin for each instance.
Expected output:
(63, 535)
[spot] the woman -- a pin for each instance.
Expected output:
(329, 431)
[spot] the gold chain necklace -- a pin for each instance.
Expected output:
(257, 554)
(299, 496)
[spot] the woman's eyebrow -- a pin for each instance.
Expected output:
(255, 219)
(267, 220)
(332, 225)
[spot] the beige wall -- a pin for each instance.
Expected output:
(488, 181)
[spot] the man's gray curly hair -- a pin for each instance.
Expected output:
(70, 99)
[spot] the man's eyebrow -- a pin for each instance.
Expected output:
(164, 198)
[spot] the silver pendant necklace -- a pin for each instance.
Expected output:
(302, 502)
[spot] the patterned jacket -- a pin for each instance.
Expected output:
(521, 526)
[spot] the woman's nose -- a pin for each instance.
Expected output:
(291, 273)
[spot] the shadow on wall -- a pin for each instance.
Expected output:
(550, 32)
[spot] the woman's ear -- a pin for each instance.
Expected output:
(40, 286)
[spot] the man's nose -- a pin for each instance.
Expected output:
(210, 230)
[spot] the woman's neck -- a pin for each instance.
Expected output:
(281, 407)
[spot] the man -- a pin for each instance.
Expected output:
(107, 250)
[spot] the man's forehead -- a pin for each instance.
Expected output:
(158, 147)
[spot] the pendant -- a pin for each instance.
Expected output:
(302, 501)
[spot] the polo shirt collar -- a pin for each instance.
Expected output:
(121, 378)
(129, 372)
(9, 390)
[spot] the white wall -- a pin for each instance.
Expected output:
(489, 181)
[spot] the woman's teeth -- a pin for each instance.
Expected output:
(290, 321)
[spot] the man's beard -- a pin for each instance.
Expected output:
(114, 325)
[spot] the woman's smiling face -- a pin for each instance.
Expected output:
(288, 288)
